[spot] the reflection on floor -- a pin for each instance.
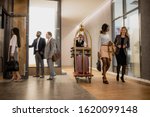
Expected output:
(61, 87)
(131, 90)
(65, 87)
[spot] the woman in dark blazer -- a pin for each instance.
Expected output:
(122, 43)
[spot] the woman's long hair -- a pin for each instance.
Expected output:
(127, 35)
(17, 33)
(104, 28)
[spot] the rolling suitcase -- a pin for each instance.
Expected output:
(82, 68)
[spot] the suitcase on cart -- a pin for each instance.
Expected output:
(82, 68)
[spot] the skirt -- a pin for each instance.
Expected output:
(121, 58)
(106, 52)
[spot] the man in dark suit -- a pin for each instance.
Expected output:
(39, 47)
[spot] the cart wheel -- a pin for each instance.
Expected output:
(77, 80)
(89, 80)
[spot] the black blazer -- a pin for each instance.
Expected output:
(79, 44)
(118, 42)
(41, 46)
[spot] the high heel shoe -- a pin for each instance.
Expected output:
(18, 80)
(117, 77)
(122, 79)
(12, 79)
(105, 81)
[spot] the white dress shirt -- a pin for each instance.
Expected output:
(37, 43)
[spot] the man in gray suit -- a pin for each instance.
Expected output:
(39, 47)
(49, 52)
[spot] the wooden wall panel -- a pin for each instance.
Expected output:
(1, 2)
(21, 7)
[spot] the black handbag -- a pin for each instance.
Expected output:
(12, 65)
(98, 65)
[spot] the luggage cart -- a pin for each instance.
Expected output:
(82, 56)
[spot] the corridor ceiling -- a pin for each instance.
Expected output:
(77, 10)
(74, 11)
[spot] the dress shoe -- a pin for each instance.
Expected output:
(50, 78)
(36, 76)
(41, 76)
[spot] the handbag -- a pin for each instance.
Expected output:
(12, 65)
(98, 65)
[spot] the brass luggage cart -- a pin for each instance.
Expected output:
(82, 56)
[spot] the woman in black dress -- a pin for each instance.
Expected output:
(122, 43)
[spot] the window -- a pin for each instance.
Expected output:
(131, 4)
(117, 25)
(117, 8)
(132, 24)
